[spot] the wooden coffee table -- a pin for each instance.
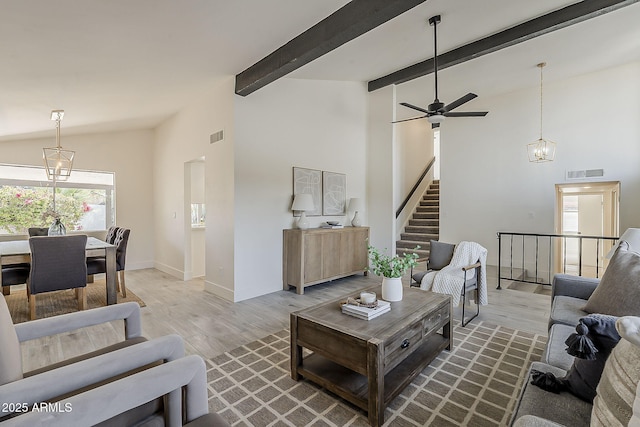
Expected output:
(369, 363)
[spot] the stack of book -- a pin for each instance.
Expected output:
(366, 313)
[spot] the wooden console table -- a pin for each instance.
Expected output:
(318, 255)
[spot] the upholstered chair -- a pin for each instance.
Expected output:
(57, 263)
(38, 231)
(99, 265)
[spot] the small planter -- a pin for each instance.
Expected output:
(392, 289)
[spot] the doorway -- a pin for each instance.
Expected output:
(583, 210)
(194, 215)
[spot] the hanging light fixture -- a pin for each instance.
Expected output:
(541, 150)
(57, 162)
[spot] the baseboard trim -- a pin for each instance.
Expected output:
(219, 290)
(178, 274)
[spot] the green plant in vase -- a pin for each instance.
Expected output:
(392, 268)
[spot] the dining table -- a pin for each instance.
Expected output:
(18, 252)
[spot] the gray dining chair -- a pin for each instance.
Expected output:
(99, 264)
(38, 231)
(14, 274)
(57, 263)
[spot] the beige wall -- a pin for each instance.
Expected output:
(129, 155)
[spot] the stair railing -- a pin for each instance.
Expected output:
(541, 248)
(415, 187)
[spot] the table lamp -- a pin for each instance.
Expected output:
(302, 202)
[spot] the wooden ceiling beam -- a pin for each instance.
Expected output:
(350, 21)
(544, 24)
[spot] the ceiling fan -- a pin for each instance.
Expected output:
(438, 111)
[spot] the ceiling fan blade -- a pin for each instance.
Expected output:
(458, 102)
(435, 125)
(467, 114)
(406, 120)
(404, 104)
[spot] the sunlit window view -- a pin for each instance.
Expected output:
(84, 202)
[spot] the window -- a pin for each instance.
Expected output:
(85, 201)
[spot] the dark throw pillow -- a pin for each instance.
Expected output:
(618, 293)
(595, 338)
(584, 375)
(440, 254)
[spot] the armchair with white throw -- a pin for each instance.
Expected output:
(456, 272)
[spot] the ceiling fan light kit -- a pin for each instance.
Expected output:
(437, 111)
(541, 150)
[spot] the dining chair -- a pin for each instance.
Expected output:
(38, 231)
(57, 263)
(99, 265)
(14, 274)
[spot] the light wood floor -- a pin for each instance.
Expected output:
(210, 325)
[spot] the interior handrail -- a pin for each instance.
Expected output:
(415, 187)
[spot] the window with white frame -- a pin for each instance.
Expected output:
(85, 201)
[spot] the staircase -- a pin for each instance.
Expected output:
(424, 225)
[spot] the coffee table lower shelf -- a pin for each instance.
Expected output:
(354, 387)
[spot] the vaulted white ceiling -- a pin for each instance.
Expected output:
(123, 64)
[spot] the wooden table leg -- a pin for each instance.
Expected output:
(110, 275)
(296, 350)
(375, 374)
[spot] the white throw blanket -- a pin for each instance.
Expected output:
(450, 279)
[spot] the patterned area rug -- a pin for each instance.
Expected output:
(60, 302)
(476, 384)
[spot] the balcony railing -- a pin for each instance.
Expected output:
(534, 258)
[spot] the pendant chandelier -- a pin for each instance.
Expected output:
(541, 150)
(57, 162)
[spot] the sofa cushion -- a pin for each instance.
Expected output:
(619, 290)
(556, 351)
(566, 311)
(562, 408)
(617, 388)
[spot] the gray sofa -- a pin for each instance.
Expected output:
(535, 406)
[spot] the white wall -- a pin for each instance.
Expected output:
(125, 153)
(303, 123)
(180, 139)
(487, 182)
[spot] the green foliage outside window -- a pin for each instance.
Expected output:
(24, 207)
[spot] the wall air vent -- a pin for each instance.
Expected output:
(215, 137)
(587, 173)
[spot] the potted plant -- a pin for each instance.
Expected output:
(391, 268)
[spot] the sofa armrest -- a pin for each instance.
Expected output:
(129, 312)
(573, 286)
(89, 408)
(57, 382)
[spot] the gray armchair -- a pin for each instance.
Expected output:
(57, 263)
(187, 374)
(440, 255)
(59, 381)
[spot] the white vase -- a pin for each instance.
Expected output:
(392, 289)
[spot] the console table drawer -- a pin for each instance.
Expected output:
(401, 345)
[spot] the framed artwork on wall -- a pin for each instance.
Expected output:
(334, 193)
(308, 181)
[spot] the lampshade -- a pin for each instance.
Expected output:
(302, 202)
(57, 161)
(355, 204)
(631, 236)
